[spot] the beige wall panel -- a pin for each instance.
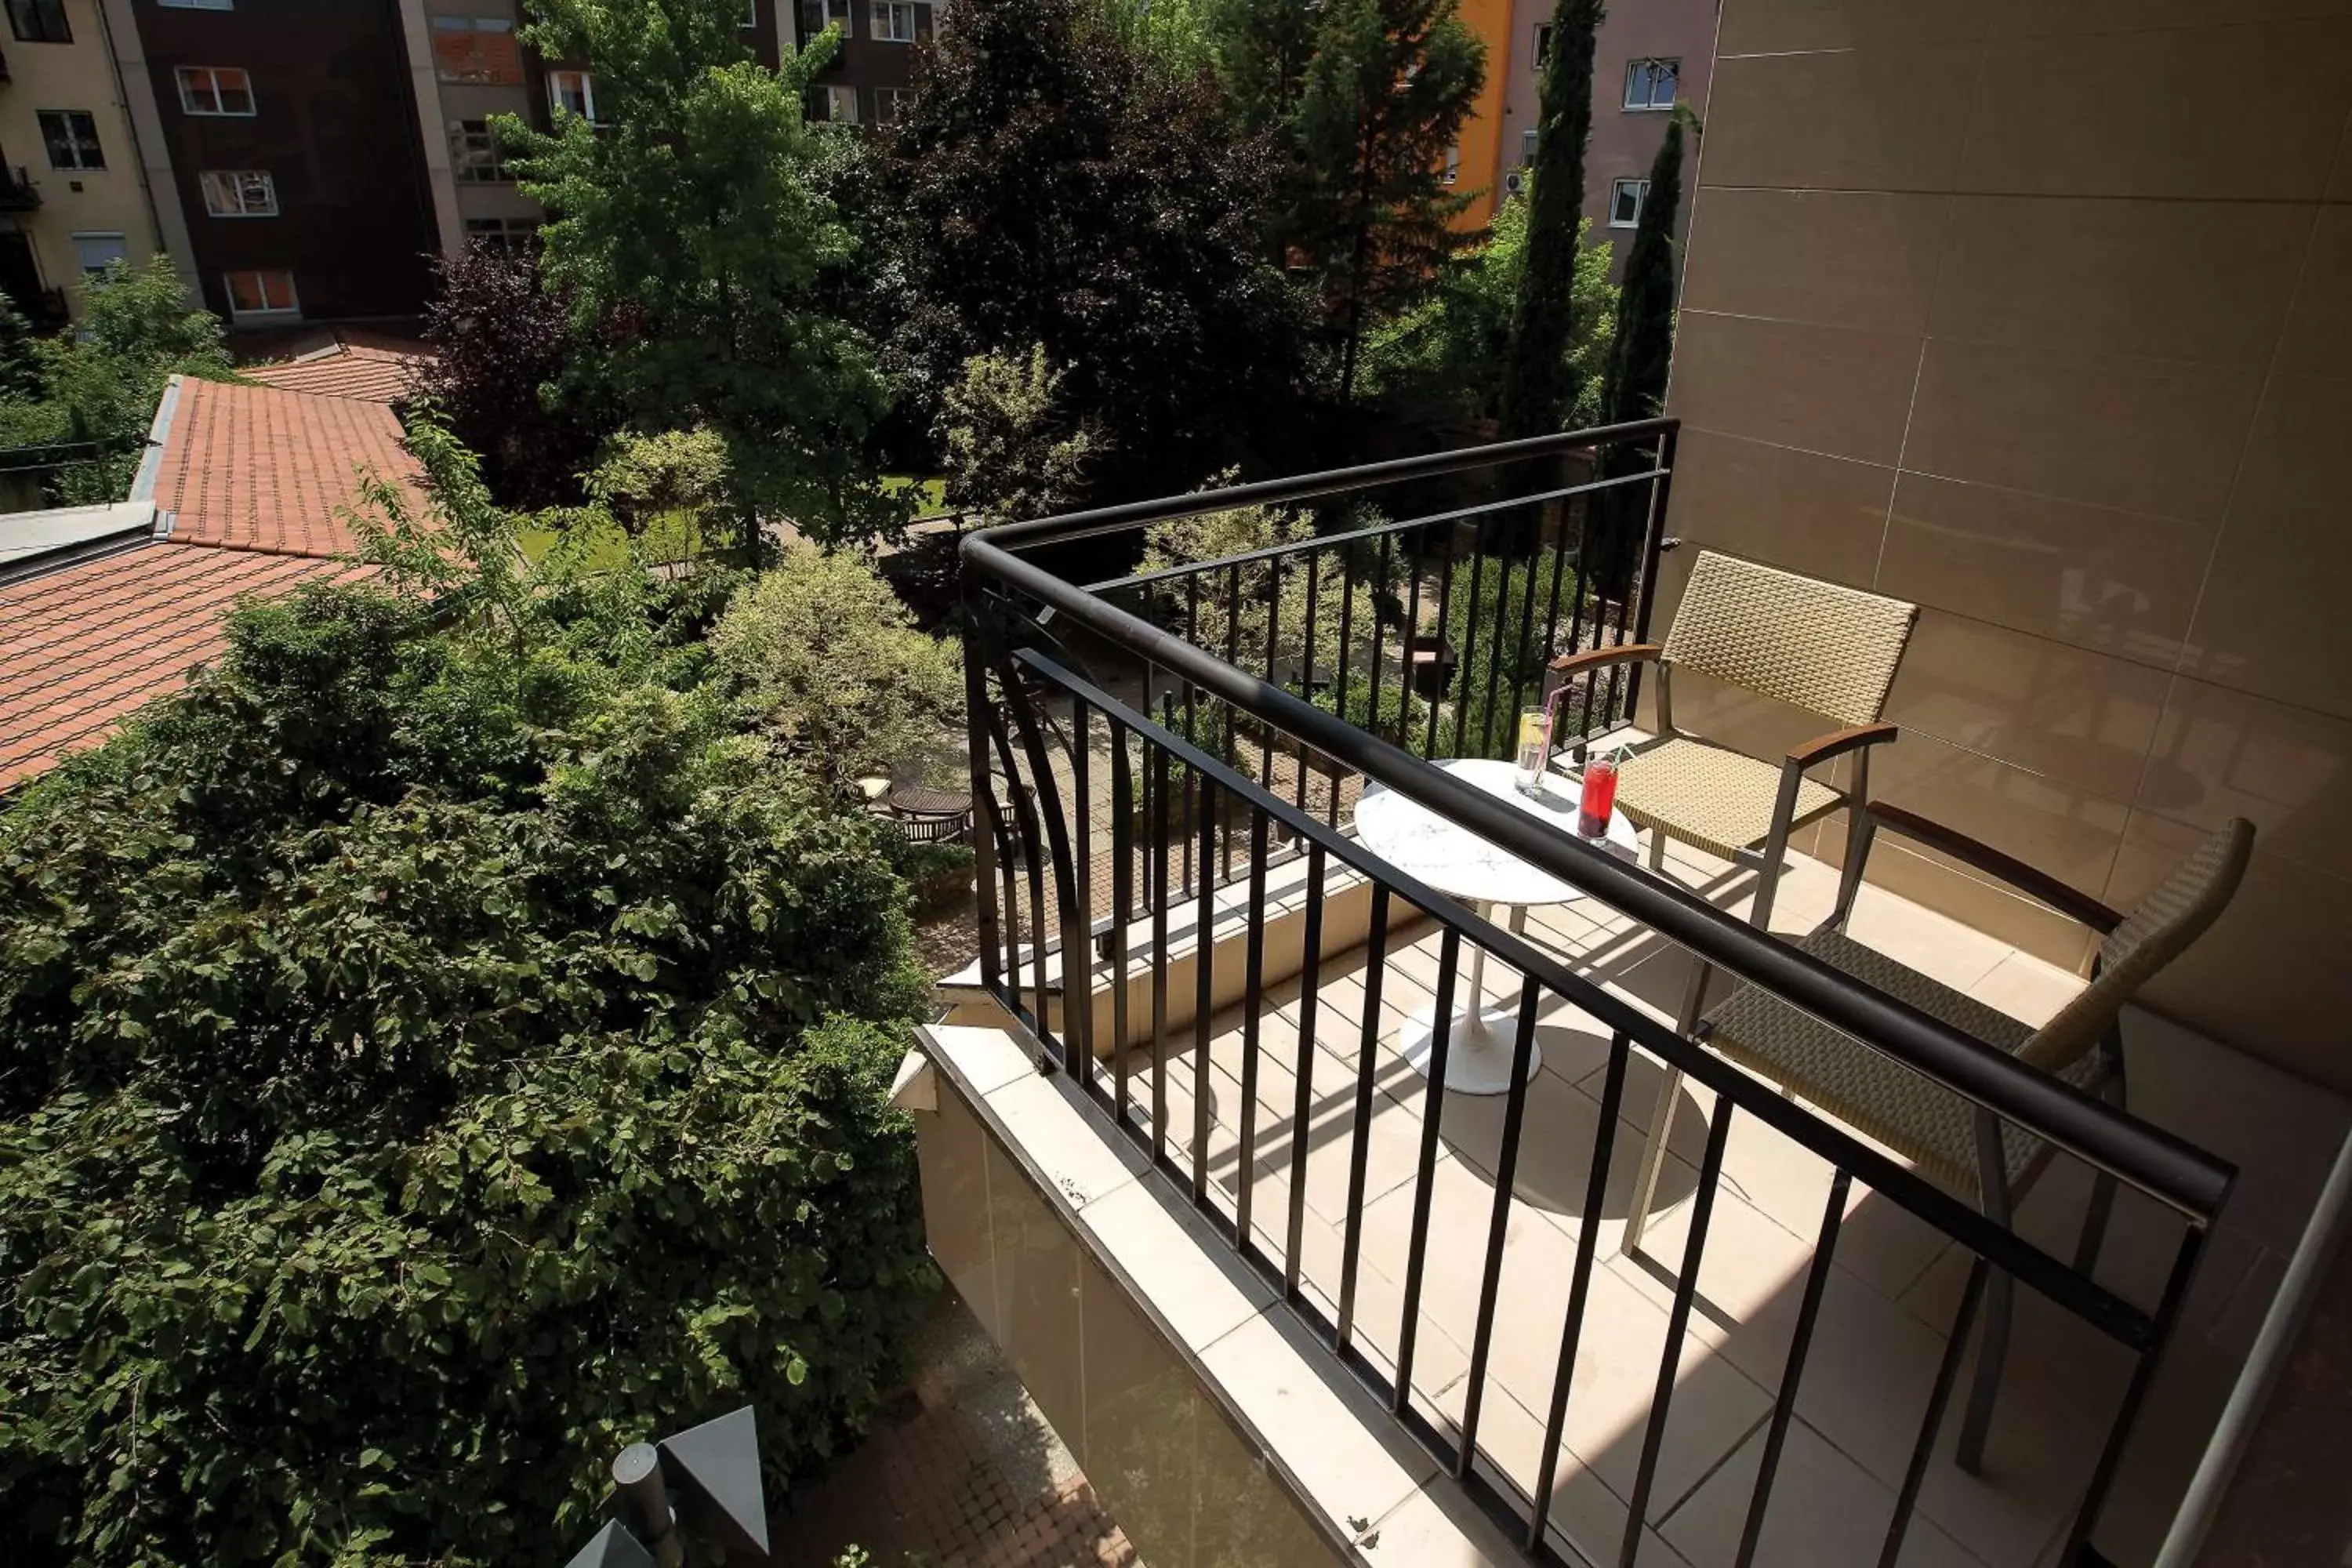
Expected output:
(1875, 119)
(1036, 1313)
(2062, 829)
(1836, 258)
(2108, 114)
(1138, 1445)
(2273, 620)
(2318, 336)
(2092, 576)
(1771, 26)
(1822, 516)
(2288, 771)
(953, 1157)
(2140, 435)
(1820, 388)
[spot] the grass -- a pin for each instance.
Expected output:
(930, 495)
(673, 536)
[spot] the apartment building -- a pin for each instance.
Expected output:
(1647, 58)
(872, 78)
(72, 197)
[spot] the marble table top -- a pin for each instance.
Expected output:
(1455, 862)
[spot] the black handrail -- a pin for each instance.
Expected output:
(2176, 1173)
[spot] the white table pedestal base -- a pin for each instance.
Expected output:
(1477, 1051)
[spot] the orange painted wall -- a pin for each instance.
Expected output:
(1481, 132)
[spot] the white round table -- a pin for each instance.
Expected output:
(1457, 862)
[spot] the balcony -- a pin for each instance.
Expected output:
(1182, 928)
(17, 192)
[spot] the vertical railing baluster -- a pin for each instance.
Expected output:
(1253, 1014)
(1306, 676)
(1498, 1225)
(1817, 1279)
(1340, 683)
(1580, 1286)
(984, 851)
(1266, 737)
(1445, 613)
(1551, 648)
(1433, 1107)
(1122, 898)
(1204, 993)
(1302, 1112)
(1380, 657)
(1225, 710)
(1947, 1372)
(1519, 659)
(1470, 647)
(1160, 948)
(1654, 1438)
(1193, 720)
(1351, 1244)
(1486, 720)
(1078, 944)
(1408, 663)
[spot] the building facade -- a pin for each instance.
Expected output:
(872, 76)
(1647, 58)
(72, 191)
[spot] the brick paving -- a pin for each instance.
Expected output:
(966, 1475)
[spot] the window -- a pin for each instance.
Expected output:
(261, 293)
(1454, 163)
(515, 236)
(891, 104)
(1650, 84)
(94, 252)
(474, 156)
(197, 4)
(215, 89)
(816, 15)
(1625, 201)
(1527, 148)
(40, 21)
(574, 92)
(480, 50)
(1543, 44)
(240, 193)
(834, 105)
(892, 21)
(750, 16)
(72, 135)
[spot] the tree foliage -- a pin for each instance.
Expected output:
(503, 375)
(1014, 448)
(1644, 348)
(1061, 188)
(102, 382)
(430, 1059)
(1536, 389)
(692, 239)
(1442, 362)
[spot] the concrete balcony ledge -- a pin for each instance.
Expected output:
(1128, 1316)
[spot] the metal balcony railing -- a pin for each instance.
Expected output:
(1244, 702)
(17, 192)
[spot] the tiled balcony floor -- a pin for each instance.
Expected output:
(1882, 1325)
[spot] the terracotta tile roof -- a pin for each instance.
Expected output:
(255, 468)
(83, 646)
(364, 371)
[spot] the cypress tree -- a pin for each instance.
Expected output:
(1535, 390)
(1633, 384)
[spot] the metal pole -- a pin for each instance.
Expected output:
(638, 1473)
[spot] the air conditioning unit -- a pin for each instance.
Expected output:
(1513, 182)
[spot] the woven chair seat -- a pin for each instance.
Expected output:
(1873, 1093)
(1718, 799)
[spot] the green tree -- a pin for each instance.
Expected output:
(1013, 448)
(1380, 104)
(425, 1067)
(1059, 187)
(1442, 362)
(1639, 362)
(691, 240)
(1260, 50)
(1536, 388)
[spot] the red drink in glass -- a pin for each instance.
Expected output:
(1600, 798)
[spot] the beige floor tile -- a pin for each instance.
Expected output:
(2025, 987)
(1825, 1508)
(1935, 945)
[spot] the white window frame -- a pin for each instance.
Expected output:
(1453, 167)
(882, 18)
(122, 246)
(751, 21)
(465, 150)
(1645, 71)
(266, 312)
(96, 145)
(197, 4)
(1526, 148)
(890, 104)
(231, 193)
(837, 98)
(1640, 189)
(556, 100)
(186, 77)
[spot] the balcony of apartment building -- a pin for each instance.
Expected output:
(1978, 320)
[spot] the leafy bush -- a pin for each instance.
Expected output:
(429, 1061)
(1502, 669)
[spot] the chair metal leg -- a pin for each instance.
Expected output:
(1653, 1162)
(1657, 849)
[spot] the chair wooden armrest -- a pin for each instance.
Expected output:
(1983, 856)
(1602, 658)
(1836, 743)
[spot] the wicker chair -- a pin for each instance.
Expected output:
(1961, 1147)
(1816, 646)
